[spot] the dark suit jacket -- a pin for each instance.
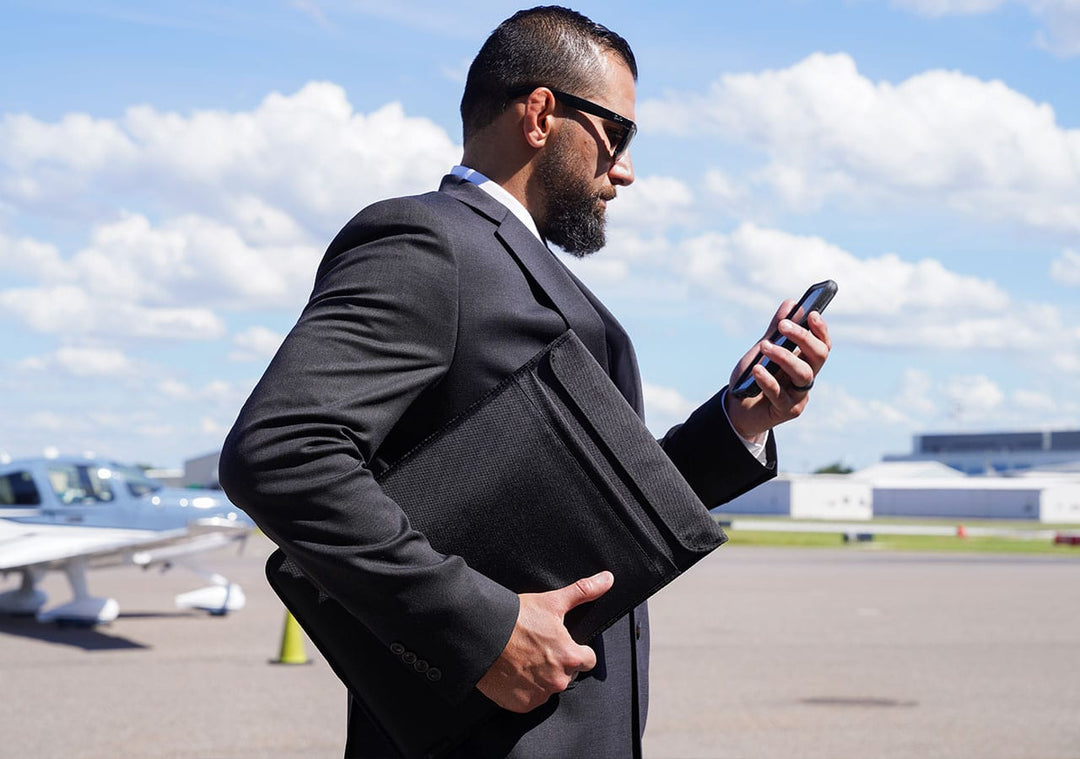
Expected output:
(420, 306)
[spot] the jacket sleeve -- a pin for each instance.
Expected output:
(379, 329)
(711, 456)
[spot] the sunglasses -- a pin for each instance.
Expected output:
(620, 141)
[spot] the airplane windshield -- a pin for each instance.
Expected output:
(138, 484)
(79, 484)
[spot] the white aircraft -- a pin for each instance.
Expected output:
(73, 514)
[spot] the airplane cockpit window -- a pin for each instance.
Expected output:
(80, 484)
(18, 489)
(138, 484)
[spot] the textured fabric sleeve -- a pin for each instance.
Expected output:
(379, 330)
(713, 458)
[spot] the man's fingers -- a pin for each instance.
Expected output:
(584, 590)
(811, 351)
(781, 313)
(820, 328)
(588, 659)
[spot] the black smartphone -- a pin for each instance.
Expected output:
(815, 298)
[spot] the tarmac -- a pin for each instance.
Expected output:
(770, 653)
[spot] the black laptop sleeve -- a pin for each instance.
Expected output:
(549, 478)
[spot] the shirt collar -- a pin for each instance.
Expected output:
(497, 191)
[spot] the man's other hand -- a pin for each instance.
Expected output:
(783, 397)
(541, 659)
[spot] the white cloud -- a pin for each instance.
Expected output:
(666, 400)
(976, 402)
(256, 343)
(32, 258)
(938, 137)
(174, 389)
(461, 20)
(594, 270)
(1067, 362)
(724, 189)
(1061, 18)
(137, 280)
(1032, 402)
(212, 427)
(86, 362)
(260, 223)
(948, 7)
(77, 144)
(457, 74)
(832, 408)
(191, 260)
(312, 10)
(1066, 268)
(665, 407)
(1062, 33)
(760, 265)
(48, 421)
(653, 202)
(917, 394)
(231, 209)
(70, 310)
(883, 301)
(308, 152)
(973, 398)
(215, 391)
(856, 428)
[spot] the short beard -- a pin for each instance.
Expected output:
(575, 215)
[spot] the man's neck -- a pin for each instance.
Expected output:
(499, 193)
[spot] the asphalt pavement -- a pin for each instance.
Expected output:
(758, 653)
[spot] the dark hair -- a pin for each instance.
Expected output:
(547, 45)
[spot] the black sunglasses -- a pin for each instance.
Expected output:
(619, 143)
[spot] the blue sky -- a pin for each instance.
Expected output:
(171, 172)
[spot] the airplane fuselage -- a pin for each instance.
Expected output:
(70, 514)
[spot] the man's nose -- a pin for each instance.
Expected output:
(622, 171)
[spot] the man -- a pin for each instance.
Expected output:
(421, 306)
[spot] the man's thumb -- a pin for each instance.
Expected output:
(588, 589)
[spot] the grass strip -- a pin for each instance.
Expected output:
(941, 543)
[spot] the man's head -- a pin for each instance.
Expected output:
(547, 111)
(547, 45)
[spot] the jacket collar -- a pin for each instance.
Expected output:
(540, 264)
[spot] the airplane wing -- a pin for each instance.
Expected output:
(46, 547)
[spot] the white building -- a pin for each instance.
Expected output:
(915, 489)
(807, 496)
(1046, 500)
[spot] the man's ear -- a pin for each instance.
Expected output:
(539, 118)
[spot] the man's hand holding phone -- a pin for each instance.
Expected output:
(770, 385)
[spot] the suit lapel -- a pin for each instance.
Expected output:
(541, 264)
(621, 357)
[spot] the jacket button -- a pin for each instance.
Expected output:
(397, 649)
(421, 666)
(434, 675)
(408, 657)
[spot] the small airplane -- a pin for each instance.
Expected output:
(72, 514)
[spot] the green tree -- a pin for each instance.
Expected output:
(837, 467)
